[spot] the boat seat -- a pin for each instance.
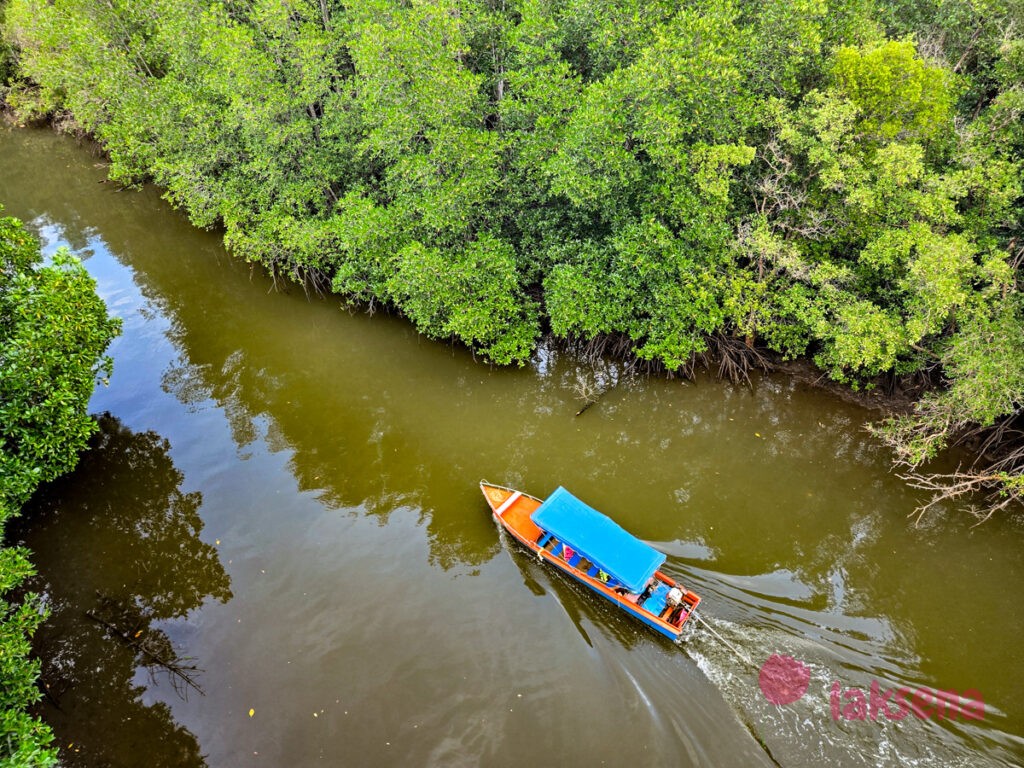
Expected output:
(656, 602)
(544, 538)
(593, 572)
(575, 559)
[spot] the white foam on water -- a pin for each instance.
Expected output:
(812, 731)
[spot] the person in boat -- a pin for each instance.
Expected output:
(606, 578)
(648, 590)
(673, 600)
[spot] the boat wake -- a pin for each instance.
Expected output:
(772, 615)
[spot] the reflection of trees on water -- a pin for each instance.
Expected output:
(344, 449)
(117, 547)
(51, 191)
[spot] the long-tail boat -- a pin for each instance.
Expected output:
(594, 550)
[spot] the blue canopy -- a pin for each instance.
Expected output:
(598, 538)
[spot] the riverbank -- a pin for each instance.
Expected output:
(886, 397)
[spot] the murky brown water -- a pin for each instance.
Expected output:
(284, 496)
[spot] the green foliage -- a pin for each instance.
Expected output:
(370, 142)
(471, 295)
(967, 36)
(25, 739)
(53, 333)
(8, 64)
(886, 238)
(632, 135)
(985, 363)
(896, 93)
(659, 284)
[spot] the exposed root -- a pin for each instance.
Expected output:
(956, 485)
(587, 390)
(736, 359)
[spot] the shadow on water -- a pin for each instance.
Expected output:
(586, 612)
(345, 450)
(121, 542)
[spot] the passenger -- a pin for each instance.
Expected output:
(648, 590)
(603, 577)
(568, 552)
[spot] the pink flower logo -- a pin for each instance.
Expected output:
(783, 679)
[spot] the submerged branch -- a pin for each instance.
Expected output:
(996, 474)
(956, 485)
(182, 675)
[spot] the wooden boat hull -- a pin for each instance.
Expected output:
(513, 510)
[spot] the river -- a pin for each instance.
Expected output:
(283, 507)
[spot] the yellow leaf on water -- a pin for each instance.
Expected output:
(138, 633)
(252, 712)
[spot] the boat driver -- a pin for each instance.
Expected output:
(674, 597)
(673, 600)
